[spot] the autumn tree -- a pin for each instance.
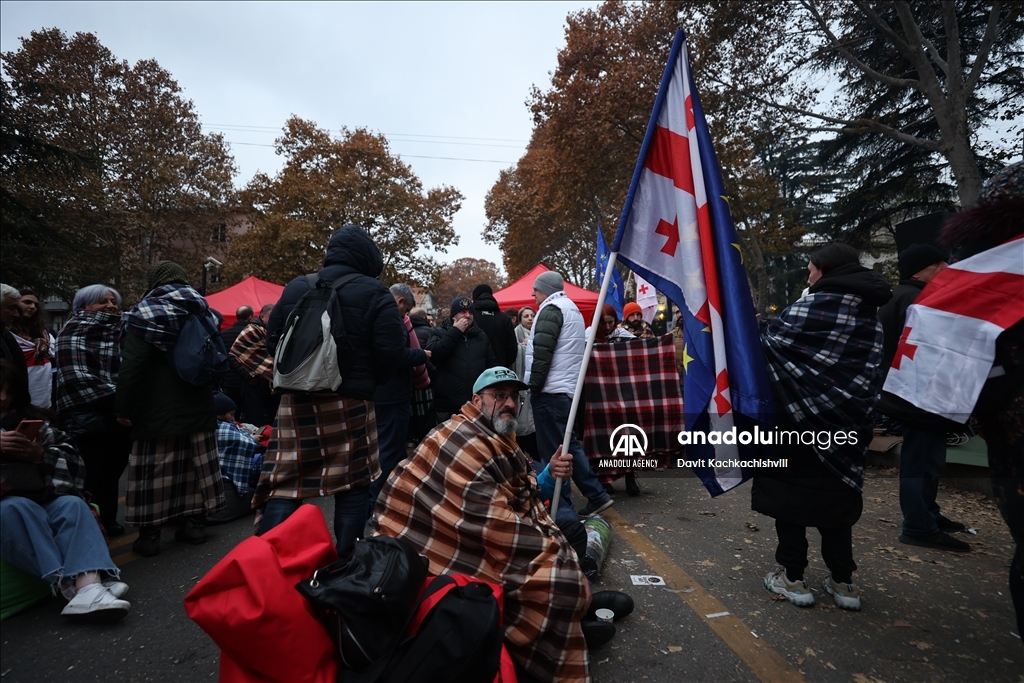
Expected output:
(459, 277)
(128, 176)
(329, 182)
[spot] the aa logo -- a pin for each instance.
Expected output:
(628, 441)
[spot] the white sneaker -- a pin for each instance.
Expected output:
(118, 589)
(797, 592)
(96, 603)
(846, 595)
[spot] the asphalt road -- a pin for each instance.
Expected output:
(928, 615)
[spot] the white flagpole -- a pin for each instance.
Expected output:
(591, 337)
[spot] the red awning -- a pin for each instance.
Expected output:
(520, 293)
(251, 291)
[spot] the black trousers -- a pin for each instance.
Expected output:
(259, 405)
(836, 550)
(106, 457)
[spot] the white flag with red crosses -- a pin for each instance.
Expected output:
(948, 345)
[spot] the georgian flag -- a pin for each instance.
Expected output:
(676, 233)
(948, 345)
(646, 298)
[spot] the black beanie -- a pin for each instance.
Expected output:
(481, 289)
(222, 404)
(916, 258)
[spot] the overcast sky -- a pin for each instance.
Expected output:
(445, 82)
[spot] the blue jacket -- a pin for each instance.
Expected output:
(375, 334)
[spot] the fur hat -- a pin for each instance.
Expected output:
(548, 283)
(916, 258)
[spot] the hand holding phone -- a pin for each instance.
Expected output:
(30, 429)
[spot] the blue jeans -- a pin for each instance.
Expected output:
(922, 462)
(59, 539)
(550, 415)
(392, 433)
(350, 515)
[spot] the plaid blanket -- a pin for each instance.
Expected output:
(322, 444)
(250, 350)
(159, 317)
(88, 357)
(468, 500)
(239, 455)
(632, 382)
(172, 477)
(824, 356)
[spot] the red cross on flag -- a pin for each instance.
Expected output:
(948, 345)
(646, 298)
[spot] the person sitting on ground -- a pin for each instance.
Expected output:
(48, 529)
(468, 501)
(241, 461)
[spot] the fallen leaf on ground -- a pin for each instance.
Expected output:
(675, 648)
(921, 645)
(809, 652)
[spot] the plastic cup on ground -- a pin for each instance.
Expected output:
(605, 615)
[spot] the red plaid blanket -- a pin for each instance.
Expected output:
(632, 382)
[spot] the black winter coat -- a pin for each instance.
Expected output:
(893, 316)
(398, 389)
(459, 359)
(498, 327)
(374, 346)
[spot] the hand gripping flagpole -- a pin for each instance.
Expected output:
(614, 255)
(591, 337)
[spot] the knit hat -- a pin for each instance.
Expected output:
(916, 258)
(481, 289)
(492, 376)
(164, 273)
(549, 282)
(631, 308)
(462, 303)
(1007, 184)
(222, 404)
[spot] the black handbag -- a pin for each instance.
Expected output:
(365, 600)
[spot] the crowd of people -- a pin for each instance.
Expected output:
(450, 434)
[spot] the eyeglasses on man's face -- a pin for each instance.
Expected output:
(500, 396)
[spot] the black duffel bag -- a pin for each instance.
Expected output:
(366, 598)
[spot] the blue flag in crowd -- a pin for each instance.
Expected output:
(616, 295)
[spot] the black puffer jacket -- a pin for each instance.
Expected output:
(497, 326)
(375, 333)
(459, 359)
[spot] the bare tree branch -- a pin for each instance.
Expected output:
(992, 31)
(849, 57)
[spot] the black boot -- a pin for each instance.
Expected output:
(597, 633)
(193, 531)
(632, 488)
(148, 542)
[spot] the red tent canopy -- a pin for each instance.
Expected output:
(251, 291)
(520, 293)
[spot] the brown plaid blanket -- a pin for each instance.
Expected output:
(171, 477)
(469, 502)
(250, 350)
(321, 444)
(632, 382)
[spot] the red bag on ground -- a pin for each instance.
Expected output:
(249, 606)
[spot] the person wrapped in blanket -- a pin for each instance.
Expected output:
(241, 460)
(46, 528)
(469, 501)
(173, 473)
(824, 359)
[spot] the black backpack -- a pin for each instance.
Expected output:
(199, 356)
(306, 358)
(454, 636)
